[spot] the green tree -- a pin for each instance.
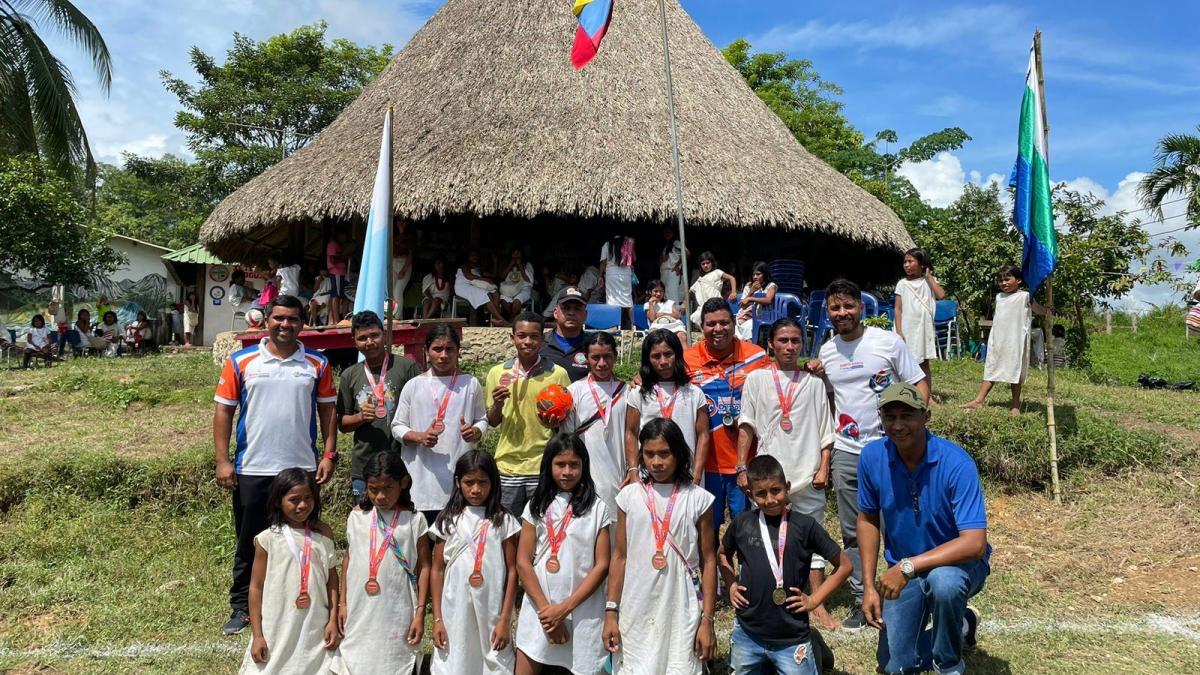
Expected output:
(268, 98)
(1176, 171)
(38, 115)
(163, 201)
(43, 233)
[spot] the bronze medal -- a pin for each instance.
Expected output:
(372, 587)
(785, 424)
(476, 580)
(381, 411)
(552, 564)
(303, 601)
(658, 561)
(779, 596)
(506, 379)
(437, 427)
(727, 419)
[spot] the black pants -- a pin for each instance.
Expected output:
(250, 507)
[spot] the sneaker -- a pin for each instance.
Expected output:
(237, 622)
(971, 619)
(856, 621)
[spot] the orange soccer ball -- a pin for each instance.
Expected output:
(554, 402)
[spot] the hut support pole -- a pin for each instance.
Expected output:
(687, 322)
(389, 305)
(1048, 320)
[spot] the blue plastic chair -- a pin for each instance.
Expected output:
(641, 321)
(788, 276)
(604, 317)
(785, 305)
(870, 305)
(945, 325)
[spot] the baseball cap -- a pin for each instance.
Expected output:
(903, 392)
(570, 294)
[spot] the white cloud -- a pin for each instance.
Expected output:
(151, 145)
(939, 181)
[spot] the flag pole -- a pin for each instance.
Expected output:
(1051, 425)
(687, 322)
(389, 303)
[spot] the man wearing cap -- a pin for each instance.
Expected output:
(923, 493)
(562, 345)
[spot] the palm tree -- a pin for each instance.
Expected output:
(37, 105)
(1176, 171)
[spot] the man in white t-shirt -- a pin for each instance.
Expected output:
(858, 364)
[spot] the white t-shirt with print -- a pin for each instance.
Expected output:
(859, 371)
(691, 398)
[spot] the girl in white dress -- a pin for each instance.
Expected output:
(1008, 342)
(759, 293)
(616, 264)
(439, 416)
(474, 579)
(598, 416)
(563, 560)
(662, 587)
(663, 312)
(710, 284)
(516, 285)
(667, 392)
(386, 567)
(471, 285)
(293, 584)
(436, 289)
(670, 266)
(916, 297)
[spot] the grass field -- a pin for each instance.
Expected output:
(115, 540)
(1159, 347)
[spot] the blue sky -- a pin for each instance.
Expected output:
(1118, 75)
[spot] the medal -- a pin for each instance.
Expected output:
(553, 538)
(439, 425)
(786, 398)
(372, 587)
(304, 558)
(658, 561)
(378, 552)
(661, 526)
(775, 556)
(379, 388)
(727, 419)
(552, 564)
(666, 406)
(785, 424)
(506, 380)
(476, 578)
(779, 596)
(302, 601)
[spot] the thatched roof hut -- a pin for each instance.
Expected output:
(492, 122)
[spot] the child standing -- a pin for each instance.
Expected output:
(662, 588)
(563, 560)
(710, 284)
(294, 582)
(774, 547)
(474, 580)
(616, 264)
(1008, 343)
(666, 392)
(598, 416)
(916, 297)
(662, 312)
(386, 567)
(759, 293)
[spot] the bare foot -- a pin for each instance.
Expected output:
(973, 405)
(1015, 412)
(824, 618)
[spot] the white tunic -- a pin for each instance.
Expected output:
(659, 608)
(377, 626)
(917, 307)
(706, 286)
(672, 279)
(295, 637)
(690, 399)
(432, 469)
(665, 321)
(618, 279)
(430, 285)
(584, 654)
(470, 614)
(745, 316)
(465, 289)
(605, 441)
(516, 286)
(1008, 343)
(400, 283)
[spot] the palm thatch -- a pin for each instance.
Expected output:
(491, 120)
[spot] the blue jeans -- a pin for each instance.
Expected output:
(905, 646)
(747, 655)
(724, 487)
(358, 488)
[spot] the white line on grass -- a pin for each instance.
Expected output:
(1186, 627)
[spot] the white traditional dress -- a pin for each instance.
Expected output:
(474, 291)
(744, 322)
(295, 637)
(468, 613)
(584, 654)
(517, 286)
(660, 609)
(665, 321)
(671, 277)
(618, 279)
(917, 307)
(706, 286)
(1008, 343)
(683, 411)
(377, 625)
(604, 435)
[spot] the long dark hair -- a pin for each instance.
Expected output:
(666, 429)
(387, 463)
(474, 460)
(584, 494)
(599, 339)
(614, 249)
(920, 256)
(649, 377)
(282, 484)
(439, 331)
(761, 266)
(785, 322)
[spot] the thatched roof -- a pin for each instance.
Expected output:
(490, 119)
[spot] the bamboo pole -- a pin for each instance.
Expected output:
(1047, 321)
(389, 305)
(687, 322)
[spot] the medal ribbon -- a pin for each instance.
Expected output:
(555, 539)
(379, 388)
(666, 406)
(480, 544)
(441, 411)
(408, 567)
(377, 553)
(774, 558)
(785, 399)
(305, 558)
(600, 408)
(518, 372)
(661, 526)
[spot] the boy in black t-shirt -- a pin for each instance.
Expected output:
(766, 590)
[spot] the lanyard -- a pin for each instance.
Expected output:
(555, 539)
(661, 526)
(379, 388)
(785, 399)
(774, 557)
(601, 410)
(666, 406)
(377, 553)
(305, 561)
(438, 423)
(476, 578)
(518, 372)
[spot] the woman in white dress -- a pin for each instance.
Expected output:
(1008, 343)
(402, 266)
(474, 581)
(662, 312)
(516, 285)
(435, 288)
(663, 581)
(616, 264)
(439, 417)
(598, 416)
(916, 302)
(386, 567)
(472, 286)
(757, 294)
(670, 266)
(563, 561)
(667, 392)
(710, 284)
(293, 584)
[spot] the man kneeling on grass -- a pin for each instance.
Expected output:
(926, 492)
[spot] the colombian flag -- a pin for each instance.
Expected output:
(594, 17)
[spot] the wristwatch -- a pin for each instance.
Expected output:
(739, 469)
(907, 568)
(331, 456)
(612, 606)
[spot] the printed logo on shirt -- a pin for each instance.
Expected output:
(580, 359)
(304, 375)
(847, 427)
(880, 381)
(851, 365)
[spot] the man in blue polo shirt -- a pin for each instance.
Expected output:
(926, 492)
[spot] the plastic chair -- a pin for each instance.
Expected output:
(788, 276)
(604, 317)
(945, 324)
(641, 322)
(785, 305)
(870, 305)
